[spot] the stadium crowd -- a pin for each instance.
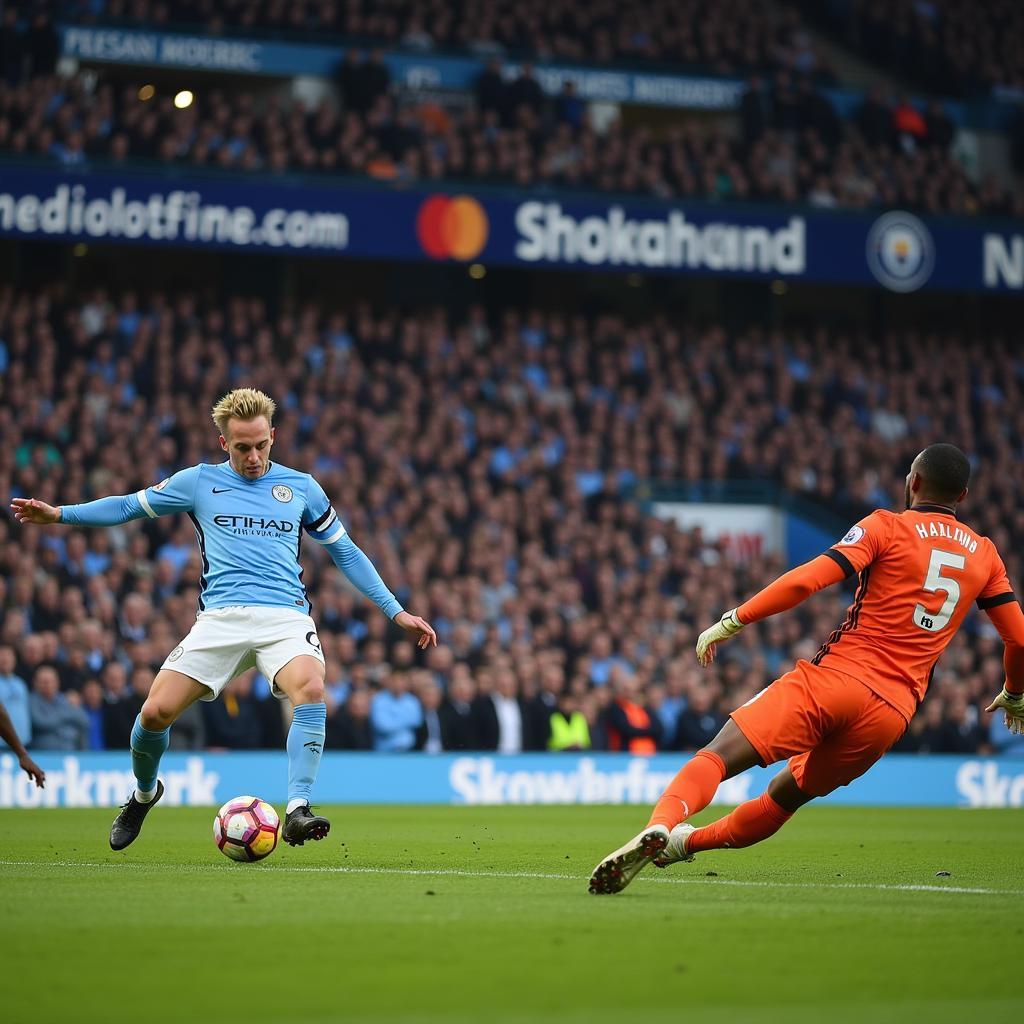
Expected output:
(791, 147)
(952, 47)
(487, 465)
(728, 37)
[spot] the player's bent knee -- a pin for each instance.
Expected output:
(154, 717)
(785, 791)
(311, 691)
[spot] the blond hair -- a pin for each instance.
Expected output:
(243, 404)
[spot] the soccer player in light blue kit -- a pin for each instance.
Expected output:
(248, 515)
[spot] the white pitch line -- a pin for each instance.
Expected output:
(540, 876)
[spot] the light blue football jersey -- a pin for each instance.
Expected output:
(249, 531)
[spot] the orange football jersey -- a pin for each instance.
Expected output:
(920, 571)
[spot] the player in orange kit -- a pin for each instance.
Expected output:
(835, 716)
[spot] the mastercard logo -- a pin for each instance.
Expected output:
(454, 227)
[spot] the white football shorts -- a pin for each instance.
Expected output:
(228, 641)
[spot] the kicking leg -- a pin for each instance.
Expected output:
(171, 693)
(728, 754)
(302, 679)
(750, 823)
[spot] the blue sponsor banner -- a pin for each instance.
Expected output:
(609, 84)
(105, 779)
(419, 71)
(895, 250)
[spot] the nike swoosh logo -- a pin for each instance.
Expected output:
(221, 490)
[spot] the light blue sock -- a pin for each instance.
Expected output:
(305, 745)
(147, 749)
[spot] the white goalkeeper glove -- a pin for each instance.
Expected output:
(724, 628)
(1013, 705)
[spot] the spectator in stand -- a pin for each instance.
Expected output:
(927, 733)
(524, 92)
(459, 726)
(430, 735)
(490, 89)
(124, 699)
(43, 46)
(12, 47)
(14, 696)
(543, 705)
(235, 721)
(700, 721)
(57, 723)
(630, 726)
(909, 125)
(567, 727)
(963, 730)
(189, 731)
(395, 715)
(569, 108)
(756, 110)
(501, 715)
(939, 132)
(875, 119)
(349, 728)
(95, 710)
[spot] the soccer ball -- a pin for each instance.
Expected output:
(246, 828)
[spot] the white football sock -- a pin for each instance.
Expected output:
(145, 798)
(298, 801)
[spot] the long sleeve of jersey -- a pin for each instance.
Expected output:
(998, 601)
(323, 525)
(118, 508)
(359, 571)
(1009, 621)
(175, 494)
(792, 587)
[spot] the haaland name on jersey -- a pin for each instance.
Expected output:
(958, 536)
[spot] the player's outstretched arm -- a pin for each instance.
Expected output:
(360, 572)
(110, 511)
(786, 592)
(1008, 619)
(10, 737)
(175, 494)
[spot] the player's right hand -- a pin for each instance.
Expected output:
(420, 627)
(34, 772)
(32, 510)
(1013, 705)
(727, 626)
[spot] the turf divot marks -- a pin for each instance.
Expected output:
(537, 875)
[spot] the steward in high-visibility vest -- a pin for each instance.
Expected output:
(568, 727)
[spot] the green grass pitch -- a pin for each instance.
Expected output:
(482, 915)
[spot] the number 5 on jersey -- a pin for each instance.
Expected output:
(934, 581)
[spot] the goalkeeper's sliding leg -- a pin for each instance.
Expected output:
(668, 839)
(751, 822)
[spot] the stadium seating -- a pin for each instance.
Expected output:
(952, 47)
(729, 37)
(488, 473)
(793, 147)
